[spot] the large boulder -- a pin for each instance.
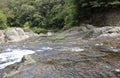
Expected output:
(89, 31)
(79, 30)
(15, 35)
(107, 32)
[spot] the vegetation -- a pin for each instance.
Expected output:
(60, 38)
(41, 15)
(3, 20)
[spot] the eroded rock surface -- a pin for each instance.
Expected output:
(72, 57)
(89, 31)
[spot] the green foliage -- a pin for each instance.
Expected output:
(52, 14)
(43, 14)
(27, 24)
(116, 2)
(3, 20)
(39, 30)
(70, 12)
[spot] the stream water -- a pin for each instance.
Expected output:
(72, 58)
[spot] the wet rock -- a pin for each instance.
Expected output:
(109, 49)
(107, 32)
(27, 59)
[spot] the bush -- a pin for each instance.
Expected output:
(3, 20)
(39, 30)
(27, 24)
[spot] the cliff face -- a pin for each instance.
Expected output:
(106, 18)
(113, 17)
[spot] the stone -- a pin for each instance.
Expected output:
(2, 36)
(107, 31)
(29, 32)
(90, 27)
(42, 35)
(15, 35)
(27, 59)
(83, 28)
(49, 33)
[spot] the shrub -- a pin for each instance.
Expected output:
(39, 30)
(27, 24)
(3, 20)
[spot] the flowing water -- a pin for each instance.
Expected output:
(69, 58)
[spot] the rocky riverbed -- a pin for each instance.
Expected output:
(66, 55)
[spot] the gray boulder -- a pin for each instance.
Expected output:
(107, 32)
(89, 31)
(15, 35)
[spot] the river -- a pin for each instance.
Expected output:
(70, 58)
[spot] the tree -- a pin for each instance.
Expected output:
(54, 14)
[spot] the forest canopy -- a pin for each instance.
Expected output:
(41, 15)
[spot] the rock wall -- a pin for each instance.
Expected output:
(113, 17)
(110, 17)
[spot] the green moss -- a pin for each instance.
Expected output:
(60, 38)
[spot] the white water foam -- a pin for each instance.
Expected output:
(44, 49)
(12, 57)
(117, 70)
(47, 48)
(75, 49)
